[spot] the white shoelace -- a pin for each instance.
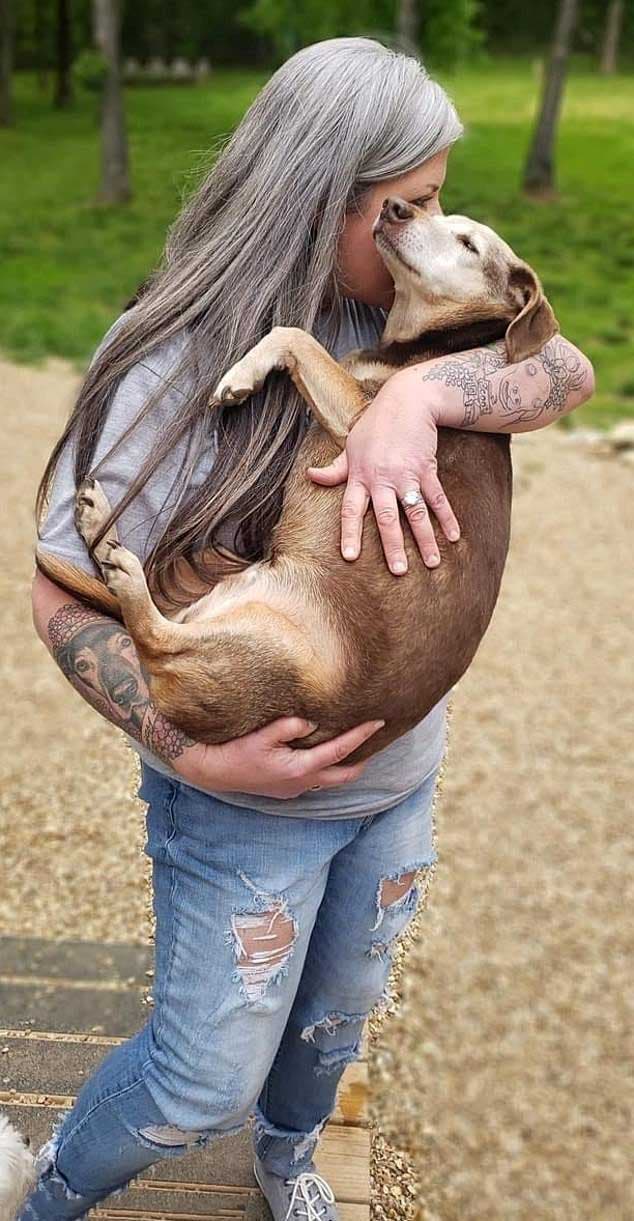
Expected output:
(303, 1183)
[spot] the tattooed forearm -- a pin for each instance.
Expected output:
(99, 659)
(535, 391)
(470, 373)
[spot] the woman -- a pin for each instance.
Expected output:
(273, 935)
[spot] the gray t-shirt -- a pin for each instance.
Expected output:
(390, 775)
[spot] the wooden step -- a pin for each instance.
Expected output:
(46, 1074)
(219, 1179)
(64, 1006)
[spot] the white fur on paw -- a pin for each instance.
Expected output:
(17, 1170)
(235, 386)
(250, 373)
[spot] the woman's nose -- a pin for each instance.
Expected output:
(396, 210)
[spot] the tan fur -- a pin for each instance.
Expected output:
(307, 633)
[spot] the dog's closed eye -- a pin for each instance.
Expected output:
(467, 243)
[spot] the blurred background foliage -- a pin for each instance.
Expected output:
(69, 263)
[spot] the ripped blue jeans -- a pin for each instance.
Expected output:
(273, 944)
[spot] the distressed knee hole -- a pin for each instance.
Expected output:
(398, 894)
(169, 1134)
(393, 889)
(330, 1025)
(332, 1036)
(337, 1058)
(263, 942)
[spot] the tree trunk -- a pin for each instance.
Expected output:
(64, 48)
(407, 22)
(539, 170)
(611, 37)
(6, 62)
(115, 181)
(41, 45)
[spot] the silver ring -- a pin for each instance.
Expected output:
(314, 786)
(411, 498)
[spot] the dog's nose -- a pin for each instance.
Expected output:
(396, 210)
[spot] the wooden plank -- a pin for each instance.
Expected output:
(47, 1066)
(352, 1097)
(227, 1163)
(52, 1006)
(76, 960)
(66, 1006)
(61, 1036)
(347, 1212)
(343, 1158)
(41, 1073)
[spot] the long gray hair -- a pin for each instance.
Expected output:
(255, 247)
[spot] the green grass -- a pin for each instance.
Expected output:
(68, 265)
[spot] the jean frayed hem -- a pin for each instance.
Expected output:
(284, 1150)
(52, 1188)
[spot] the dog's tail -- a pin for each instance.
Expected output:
(77, 582)
(17, 1170)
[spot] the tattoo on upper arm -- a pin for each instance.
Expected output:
(561, 372)
(100, 661)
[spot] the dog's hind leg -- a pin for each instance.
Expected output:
(334, 396)
(122, 571)
(92, 507)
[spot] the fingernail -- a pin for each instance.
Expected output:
(399, 566)
(433, 560)
(349, 553)
(378, 724)
(311, 725)
(454, 535)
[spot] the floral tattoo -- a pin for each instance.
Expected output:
(470, 373)
(99, 659)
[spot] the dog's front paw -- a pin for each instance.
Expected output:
(236, 385)
(92, 507)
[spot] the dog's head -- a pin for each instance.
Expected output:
(450, 270)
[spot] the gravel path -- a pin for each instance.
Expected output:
(507, 1071)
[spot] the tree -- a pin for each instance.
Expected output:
(611, 37)
(451, 35)
(115, 180)
(407, 21)
(64, 55)
(539, 170)
(6, 62)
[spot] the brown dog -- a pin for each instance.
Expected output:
(305, 632)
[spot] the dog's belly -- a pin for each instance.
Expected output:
(408, 639)
(341, 643)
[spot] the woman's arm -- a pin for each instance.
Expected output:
(480, 390)
(97, 656)
(392, 447)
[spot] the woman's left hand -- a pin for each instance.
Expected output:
(391, 450)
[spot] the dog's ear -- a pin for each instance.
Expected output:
(536, 323)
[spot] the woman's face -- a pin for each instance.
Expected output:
(361, 272)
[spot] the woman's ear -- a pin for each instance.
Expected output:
(536, 323)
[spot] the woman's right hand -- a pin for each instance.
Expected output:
(263, 763)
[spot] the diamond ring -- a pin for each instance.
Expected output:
(412, 498)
